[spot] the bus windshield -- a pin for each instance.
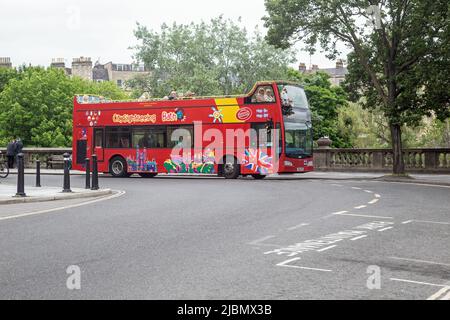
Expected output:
(297, 122)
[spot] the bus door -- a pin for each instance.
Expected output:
(99, 134)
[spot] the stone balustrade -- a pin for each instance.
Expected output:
(325, 159)
(33, 154)
(416, 160)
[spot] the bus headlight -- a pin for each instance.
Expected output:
(288, 164)
(310, 163)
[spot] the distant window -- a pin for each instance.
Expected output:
(119, 67)
(119, 83)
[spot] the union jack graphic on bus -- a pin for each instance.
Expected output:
(258, 161)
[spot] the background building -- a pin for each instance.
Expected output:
(337, 74)
(5, 62)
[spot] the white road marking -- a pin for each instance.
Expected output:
(298, 226)
(388, 228)
(356, 188)
(377, 196)
(418, 282)
(22, 215)
(368, 191)
(285, 264)
(340, 212)
(361, 215)
(357, 238)
(374, 201)
(421, 261)
(406, 222)
(438, 294)
(261, 240)
(447, 296)
(432, 222)
(327, 248)
(361, 207)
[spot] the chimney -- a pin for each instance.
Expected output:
(339, 64)
(302, 67)
(5, 62)
(58, 63)
(82, 67)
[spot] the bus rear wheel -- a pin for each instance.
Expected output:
(231, 168)
(118, 167)
(148, 175)
(258, 176)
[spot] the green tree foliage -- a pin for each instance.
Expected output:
(399, 64)
(37, 103)
(212, 58)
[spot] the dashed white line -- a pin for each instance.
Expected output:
(377, 196)
(361, 207)
(432, 222)
(286, 265)
(374, 201)
(406, 222)
(385, 229)
(418, 282)
(340, 212)
(261, 240)
(298, 226)
(368, 191)
(357, 238)
(361, 215)
(327, 248)
(356, 188)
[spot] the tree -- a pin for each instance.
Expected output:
(399, 63)
(37, 105)
(215, 58)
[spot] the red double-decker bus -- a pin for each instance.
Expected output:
(266, 131)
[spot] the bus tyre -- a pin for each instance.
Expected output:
(118, 167)
(148, 175)
(258, 176)
(231, 168)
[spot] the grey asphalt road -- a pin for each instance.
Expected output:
(209, 238)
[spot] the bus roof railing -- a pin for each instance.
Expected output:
(97, 99)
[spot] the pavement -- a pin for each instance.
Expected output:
(33, 194)
(332, 237)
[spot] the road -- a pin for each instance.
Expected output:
(210, 238)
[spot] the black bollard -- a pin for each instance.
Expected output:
(66, 186)
(94, 173)
(20, 176)
(38, 173)
(88, 173)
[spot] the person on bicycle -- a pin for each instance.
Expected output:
(10, 153)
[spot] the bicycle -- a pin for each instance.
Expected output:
(4, 169)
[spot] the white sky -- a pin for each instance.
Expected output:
(35, 31)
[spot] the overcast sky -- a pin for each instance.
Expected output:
(35, 31)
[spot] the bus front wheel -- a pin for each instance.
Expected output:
(231, 168)
(118, 167)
